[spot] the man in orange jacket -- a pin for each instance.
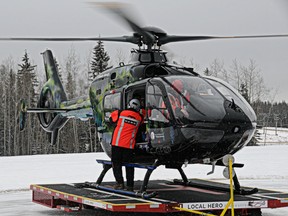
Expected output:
(123, 142)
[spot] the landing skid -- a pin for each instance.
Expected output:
(237, 187)
(195, 183)
(107, 165)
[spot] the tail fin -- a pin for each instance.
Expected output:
(52, 73)
(51, 96)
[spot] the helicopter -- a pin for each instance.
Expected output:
(217, 120)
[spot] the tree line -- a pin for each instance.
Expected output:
(249, 82)
(21, 81)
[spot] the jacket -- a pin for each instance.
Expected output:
(128, 122)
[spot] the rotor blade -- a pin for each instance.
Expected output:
(118, 9)
(175, 38)
(130, 39)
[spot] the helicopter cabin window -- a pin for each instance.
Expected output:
(111, 102)
(159, 128)
(231, 94)
(156, 105)
(192, 99)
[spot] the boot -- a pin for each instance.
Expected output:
(129, 188)
(119, 186)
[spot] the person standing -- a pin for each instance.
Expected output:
(123, 142)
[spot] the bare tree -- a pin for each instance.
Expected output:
(217, 69)
(236, 74)
(194, 65)
(71, 69)
(7, 122)
(120, 56)
(254, 81)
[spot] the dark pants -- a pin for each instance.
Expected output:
(119, 156)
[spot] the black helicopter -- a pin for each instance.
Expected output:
(217, 120)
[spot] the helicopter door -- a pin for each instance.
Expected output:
(138, 92)
(111, 102)
(159, 128)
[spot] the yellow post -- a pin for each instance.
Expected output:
(226, 208)
(231, 200)
(231, 186)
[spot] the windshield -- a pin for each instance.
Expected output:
(189, 99)
(230, 93)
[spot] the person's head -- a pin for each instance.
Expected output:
(178, 84)
(134, 104)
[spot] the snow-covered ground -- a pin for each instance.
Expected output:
(265, 167)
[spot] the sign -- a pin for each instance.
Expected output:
(221, 205)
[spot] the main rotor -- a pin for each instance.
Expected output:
(149, 36)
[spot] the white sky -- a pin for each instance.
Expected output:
(56, 18)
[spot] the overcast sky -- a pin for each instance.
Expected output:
(56, 18)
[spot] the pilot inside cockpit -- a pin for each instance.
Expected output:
(179, 97)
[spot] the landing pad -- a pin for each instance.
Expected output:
(205, 196)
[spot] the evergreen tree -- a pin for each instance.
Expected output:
(70, 86)
(99, 64)
(99, 61)
(207, 72)
(244, 92)
(26, 89)
(27, 80)
(72, 71)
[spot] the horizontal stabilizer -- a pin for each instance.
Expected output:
(47, 110)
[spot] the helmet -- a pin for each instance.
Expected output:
(178, 84)
(134, 104)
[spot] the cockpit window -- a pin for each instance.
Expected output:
(181, 100)
(231, 94)
(111, 103)
(159, 125)
(155, 104)
(194, 100)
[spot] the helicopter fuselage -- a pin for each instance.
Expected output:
(211, 120)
